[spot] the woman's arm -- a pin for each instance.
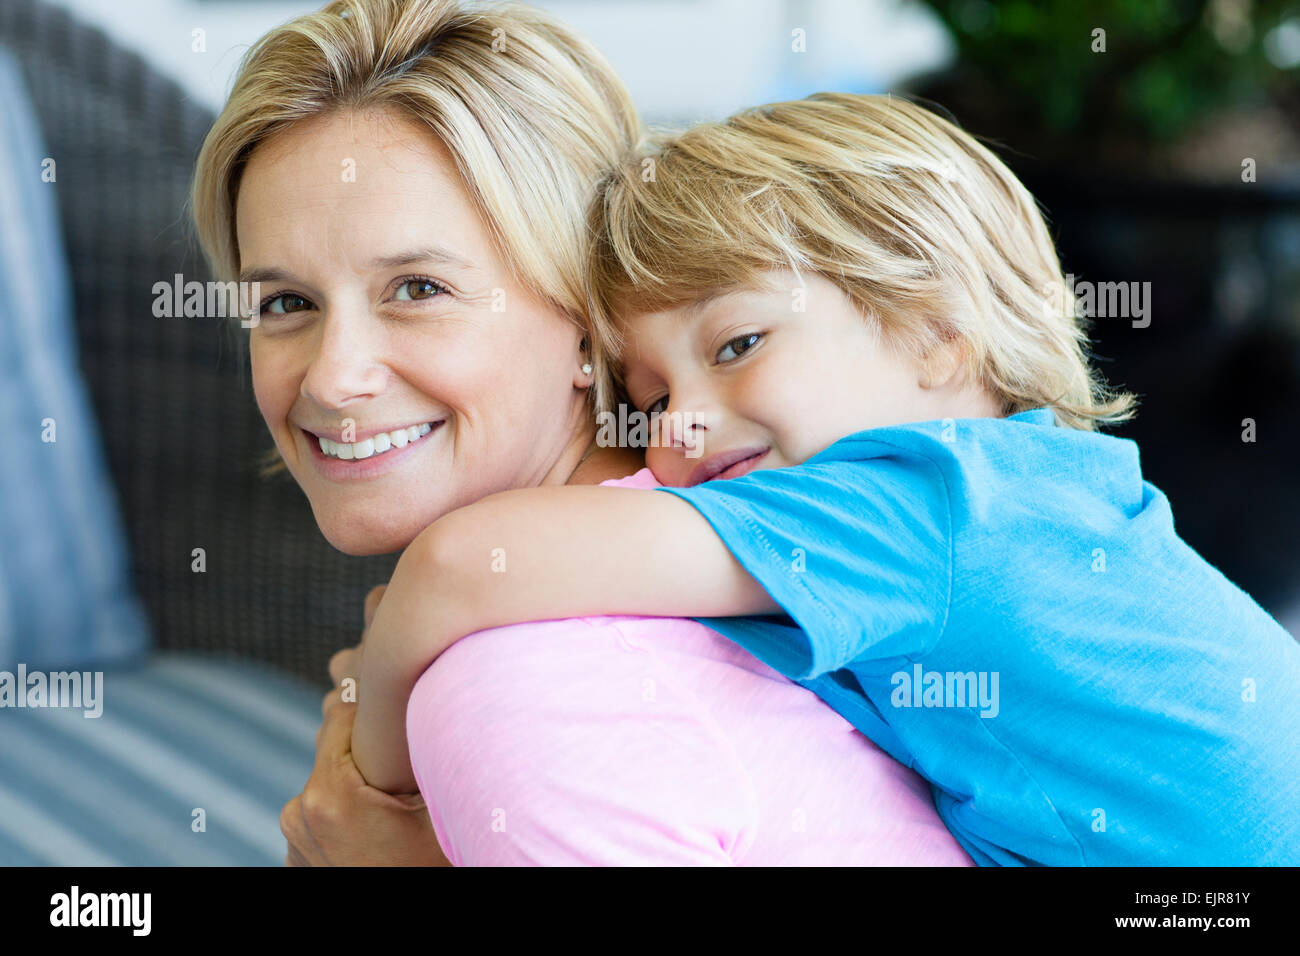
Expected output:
(534, 554)
(338, 820)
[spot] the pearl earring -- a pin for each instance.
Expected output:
(586, 369)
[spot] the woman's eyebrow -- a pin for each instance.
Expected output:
(425, 254)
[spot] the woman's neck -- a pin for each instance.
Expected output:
(583, 462)
(604, 464)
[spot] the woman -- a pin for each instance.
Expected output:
(409, 183)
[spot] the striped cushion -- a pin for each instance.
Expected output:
(65, 593)
(185, 731)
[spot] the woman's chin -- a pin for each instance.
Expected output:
(360, 537)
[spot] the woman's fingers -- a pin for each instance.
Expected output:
(338, 820)
(293, 825)
(293, 857)
(372, 602)
(334, 738)
(336, 809)
(343, 664)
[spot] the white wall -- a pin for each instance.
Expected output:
(682, 59)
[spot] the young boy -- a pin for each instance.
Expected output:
(875, 424)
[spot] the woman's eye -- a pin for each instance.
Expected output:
(738, 346)
(416, 288)
(427, 289)
(659, 406)
(281, 299)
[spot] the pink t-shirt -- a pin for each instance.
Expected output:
(651, 741)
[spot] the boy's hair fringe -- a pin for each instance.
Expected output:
(916, 222)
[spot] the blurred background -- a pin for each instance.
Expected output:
(1162, 139)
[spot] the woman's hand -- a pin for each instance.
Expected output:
(338, 819)
(347, 662)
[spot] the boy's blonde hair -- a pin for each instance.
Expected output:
(533, 115)
(916, 222)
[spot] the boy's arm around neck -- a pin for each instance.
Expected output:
(566, 551)
(536, 554)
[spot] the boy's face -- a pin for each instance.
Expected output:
(766, 377)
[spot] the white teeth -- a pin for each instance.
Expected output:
(375, 445)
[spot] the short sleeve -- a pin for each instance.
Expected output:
(857, 552)
(558, 743)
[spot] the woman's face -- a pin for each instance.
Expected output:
(386, 305)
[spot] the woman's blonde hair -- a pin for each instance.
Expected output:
(533, 115)
(916, 222)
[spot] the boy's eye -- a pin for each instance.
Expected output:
(738, 346)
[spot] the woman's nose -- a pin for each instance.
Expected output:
(344, 366)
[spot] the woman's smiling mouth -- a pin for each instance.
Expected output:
(377, 444)
(371, 457)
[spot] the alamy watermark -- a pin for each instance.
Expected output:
(75, 908)
(1101, 300)
(72, 689)
(922, 688)
(208, 300)
(636, 429)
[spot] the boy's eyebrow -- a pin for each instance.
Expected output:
(697, 306)
(758, 287)
(423, 254)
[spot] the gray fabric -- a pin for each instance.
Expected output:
(230, 739)
(65, 594)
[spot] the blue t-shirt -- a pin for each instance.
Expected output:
(1003, 605)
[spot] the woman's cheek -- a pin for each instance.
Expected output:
(272, 389)
(262, 380)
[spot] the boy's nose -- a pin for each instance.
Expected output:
(685, 429)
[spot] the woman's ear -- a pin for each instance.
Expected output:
(585, 366)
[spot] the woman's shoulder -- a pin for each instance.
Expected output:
(541, 659)
(582, 738)
(593, 658)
